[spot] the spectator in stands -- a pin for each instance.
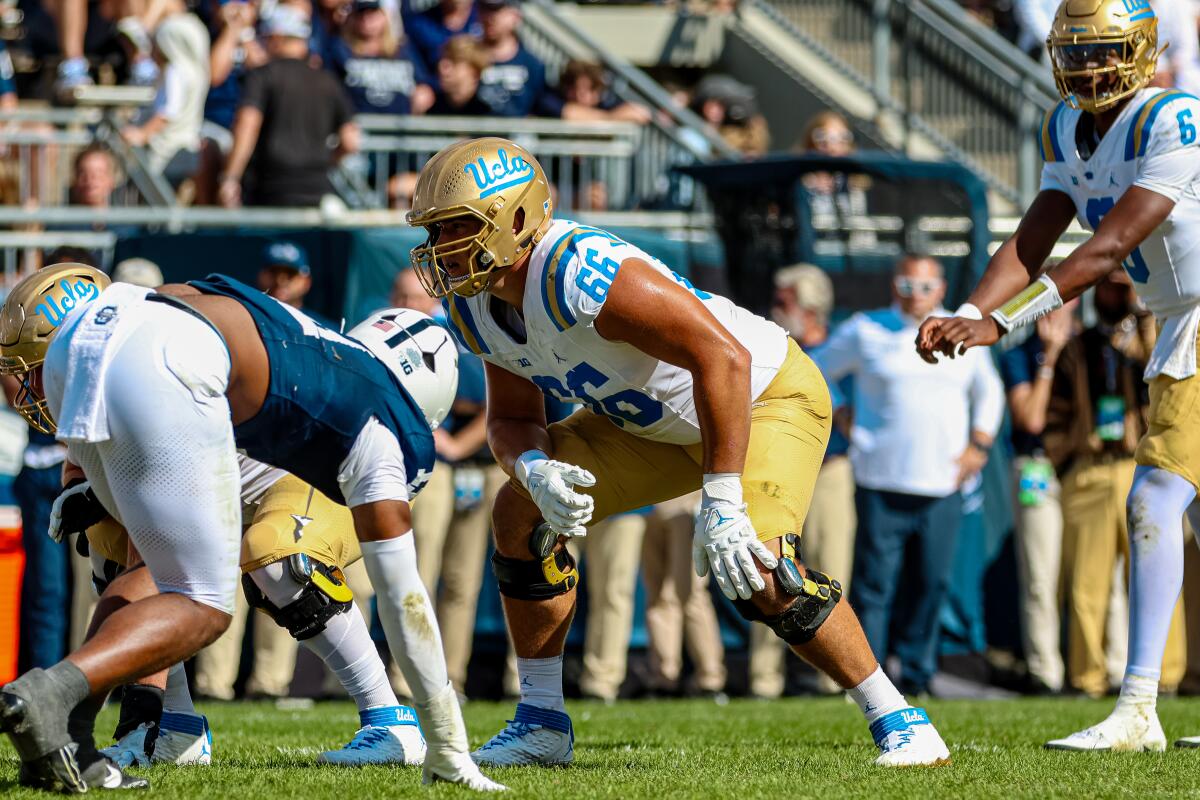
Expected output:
(285, 275)
(802, 306)
(1028, 372)
(679, 609)
(289, 112)
(8, 87)
(459, 69)
(920, 432)
(94, 177)
(383, 75)
(430, 30)
(832, 193)
(235, 51)
(328, 22)
(585, 88)
(77, 21)
(452, 521)
(1097, 413)
(731, 107)
(172, 133)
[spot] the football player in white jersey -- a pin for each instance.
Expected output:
(681, 390)
(1124, 160)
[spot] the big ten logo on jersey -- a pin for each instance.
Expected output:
(74, 293)
(628, 406)
(501, 174)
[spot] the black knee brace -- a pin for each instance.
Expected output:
(552, 574)
(816, 594)
(325, 595)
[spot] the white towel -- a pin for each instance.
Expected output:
(93, 339)
(1175, 351)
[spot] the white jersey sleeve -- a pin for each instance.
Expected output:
(1171, 164)
(587, 278)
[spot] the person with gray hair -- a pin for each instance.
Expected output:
(802, 306)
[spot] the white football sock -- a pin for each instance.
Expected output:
(877, 696)
(407, 615)
(1157, 503)
(1138, 692)
(346, 648)
(177, 697)
(541, 682)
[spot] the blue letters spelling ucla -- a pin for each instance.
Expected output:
(80, 291)
(1135, 5)
(503, 174)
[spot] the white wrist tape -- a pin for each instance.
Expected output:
(1035, 301)
(525, 462)
(723, 486)
(968, 311)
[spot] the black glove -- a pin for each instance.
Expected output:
(75, 510)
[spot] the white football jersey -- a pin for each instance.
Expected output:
(257, 478)
(570, 273)
(1153, 144)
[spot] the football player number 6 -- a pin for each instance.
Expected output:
(1187, 130)
(1135, 265)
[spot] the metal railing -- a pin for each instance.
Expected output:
(975, 95)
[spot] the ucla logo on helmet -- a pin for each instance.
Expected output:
(1136, 5)
(501, 174)
(74, 293)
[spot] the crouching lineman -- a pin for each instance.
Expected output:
(682, 390)
(295, 545)
(150, 392)
(1124, 160)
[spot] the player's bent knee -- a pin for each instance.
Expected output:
(514, 516)
(323, 594)
(800, 605)
(547, 569)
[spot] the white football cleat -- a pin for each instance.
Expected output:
(455, 767)
(388, 735)
(183, 739)
(131, 750)
(1130, 729)
(446, 757)
(906, 738)
(1188, 741)
(534, 737)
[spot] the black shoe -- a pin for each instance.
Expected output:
(56, 770)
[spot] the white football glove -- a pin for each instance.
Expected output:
(726, 542)
(551, 485)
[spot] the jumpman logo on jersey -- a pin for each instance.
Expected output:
(558, 358)
(526, 683)
(301, 524)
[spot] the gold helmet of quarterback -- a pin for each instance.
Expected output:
(1102, 51)
(492, 180)
(28, 321)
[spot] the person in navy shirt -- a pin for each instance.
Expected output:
(8, 88)
(462, 62)
(430, 30)
(382, 75)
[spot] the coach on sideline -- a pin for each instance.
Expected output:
(920, 432)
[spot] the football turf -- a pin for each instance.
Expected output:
(795, 748)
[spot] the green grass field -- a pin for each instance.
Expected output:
(790, 749)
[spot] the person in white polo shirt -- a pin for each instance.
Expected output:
(919, 433)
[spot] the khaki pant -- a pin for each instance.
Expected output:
(274, 658)
(679, 608)
(451, 552)
(827, 545)
(1038, 540)
(609, 554)
(1095, 534)
(83, 596)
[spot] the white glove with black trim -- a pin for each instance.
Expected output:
(551, 485)
(725, 540)
(74, 510)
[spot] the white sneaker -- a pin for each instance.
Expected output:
(183, 739)
(456, 767)
(446, 757)
(1188, 741)
(130, 750)
(388, 736)
(906, 738)
(534, 737)
(1129, 729)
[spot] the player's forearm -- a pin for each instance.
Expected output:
(1087, 266)
(246, 127)
(1005, 276)
(722, 395)
(509, 438)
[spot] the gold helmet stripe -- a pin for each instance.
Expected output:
(554, 296)
(1138, 138)
(460, 317)
(1051, 151)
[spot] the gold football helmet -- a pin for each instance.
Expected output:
(1103, 51)
(28, 321)
(492, 180)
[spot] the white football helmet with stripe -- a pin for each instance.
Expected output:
(419, 352)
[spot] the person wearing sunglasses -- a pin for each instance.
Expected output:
(833, 196)
(920, 434)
